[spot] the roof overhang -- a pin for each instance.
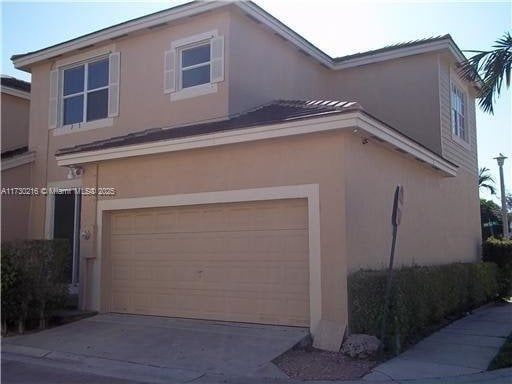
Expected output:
(254, 12)
(15, 92)
(358, 122)
(18, 160)
(446, 44)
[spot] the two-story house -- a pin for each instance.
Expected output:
(231, 170)
(16, 158)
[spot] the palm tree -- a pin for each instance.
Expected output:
(485, 180)
(489, 68)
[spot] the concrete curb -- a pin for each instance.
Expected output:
(98, 366)
(149, 374)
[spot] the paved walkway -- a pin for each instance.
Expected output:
(464, 347)
(459, 353)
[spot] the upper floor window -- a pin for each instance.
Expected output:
(83, 95)
(85, 92)
(194, 65)
(458, 100)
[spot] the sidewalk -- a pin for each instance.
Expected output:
(459, 353)
(464, 347)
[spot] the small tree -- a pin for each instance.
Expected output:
(485, 180)
(490, 214)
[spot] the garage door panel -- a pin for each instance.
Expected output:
(236, 262)
(262, 245)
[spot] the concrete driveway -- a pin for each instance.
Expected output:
(144, 347)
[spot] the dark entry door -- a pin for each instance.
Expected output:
(65, 226)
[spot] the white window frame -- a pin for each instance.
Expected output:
(181, 68)
(84, 92)
(183, 44)
(464, 141)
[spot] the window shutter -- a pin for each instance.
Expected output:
(169, 71)
(217, 59)
(54, 98)
(113, 83)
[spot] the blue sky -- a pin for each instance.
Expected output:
(337, 27)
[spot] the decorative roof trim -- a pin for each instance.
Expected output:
(256, 13)
(15, 92)
(349, 120)
(191, 9)
(398, 52)
(18, 160)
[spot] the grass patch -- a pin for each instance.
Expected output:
(504, 357)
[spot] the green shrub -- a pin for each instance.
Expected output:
(500, 252)
(34, 274)
(420, 297)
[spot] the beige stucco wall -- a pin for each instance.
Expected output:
(259, 67)
(15, 121)
(356, 183)
(15, 208)
(143, 104)
(441, 217)
(401, 92)
(269, 163)
(264, 67)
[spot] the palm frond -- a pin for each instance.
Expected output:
(491, 68)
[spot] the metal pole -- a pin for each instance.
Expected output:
(395, 221)
(504, 215)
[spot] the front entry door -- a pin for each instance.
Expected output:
(66, 224)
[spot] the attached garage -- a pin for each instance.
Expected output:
(245, 261)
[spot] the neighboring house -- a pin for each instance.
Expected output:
(222, 195)
(16, 158)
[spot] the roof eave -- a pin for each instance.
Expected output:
(430, 46)
(349, 120)
(23, 62)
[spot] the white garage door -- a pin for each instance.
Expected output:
(237, 262)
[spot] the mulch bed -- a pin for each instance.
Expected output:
(314, 364)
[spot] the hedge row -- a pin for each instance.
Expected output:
(421, 296)
(500, 252)
(34, 275)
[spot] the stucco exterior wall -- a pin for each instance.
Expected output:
(15, 208)
(143, 104)
(264, 67)
(441, 217)
(269, 163)
(15, 122)
(401, 92)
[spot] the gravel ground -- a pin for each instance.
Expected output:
(314, 364)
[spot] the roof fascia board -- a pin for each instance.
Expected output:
(15, 92)
(255, 12)
(356, 119)
(390, 136)
(210, 140)
(116, 31)
(402, 52)
(284, 31)
(19, 160)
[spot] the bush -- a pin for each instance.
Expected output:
(34, 274)
(420, 297)
(500, 252)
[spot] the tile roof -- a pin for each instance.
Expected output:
(12, 82)
(280, 111)
(14, 152)
(392, 47)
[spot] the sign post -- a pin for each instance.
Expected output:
(396, 218)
